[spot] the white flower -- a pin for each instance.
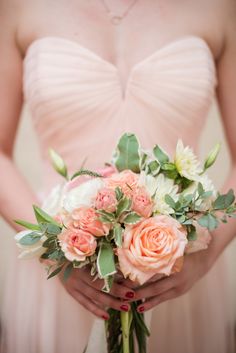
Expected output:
(186, 162)
(53, 203)
(149, 182)
(165, 186)
(82, 195)
(30, 251)
(203, 204)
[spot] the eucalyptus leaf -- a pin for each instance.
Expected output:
(200, 189)
(208, 221)
(224, 201)
(170, 201)
(30, 239)
(191, 233)
(127, 153)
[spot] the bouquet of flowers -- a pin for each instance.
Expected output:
(138, 216)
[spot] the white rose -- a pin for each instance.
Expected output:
(30, 251)
(82, 195)
(53, 203)
(186, 162)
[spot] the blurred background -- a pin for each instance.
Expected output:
(27, 158)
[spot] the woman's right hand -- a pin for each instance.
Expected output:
(82, 287)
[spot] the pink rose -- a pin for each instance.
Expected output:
(142, 202)
(77, 244)
(152, 247)
(126, 180)
(86, 219)
(106, 200)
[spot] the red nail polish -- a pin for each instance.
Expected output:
(129, 295)
(141, 309)
(105, 317)
(124, 307)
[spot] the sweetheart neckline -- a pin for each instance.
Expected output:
(113, 66)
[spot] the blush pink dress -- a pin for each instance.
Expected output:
(80, 109)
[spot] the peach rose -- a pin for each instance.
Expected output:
(86, 219)
(142, 202)
(106, 200)
(126, 180)
(107, 171)
(77, 244)
(152, 247)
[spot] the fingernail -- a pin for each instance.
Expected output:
(105, 317)
(141, 309)
(124, 307)
(129, 295)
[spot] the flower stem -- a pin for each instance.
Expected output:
(125, 325)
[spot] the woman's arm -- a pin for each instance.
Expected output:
(16, 197)
(197, 265)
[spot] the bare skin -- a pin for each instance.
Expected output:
(149, 26)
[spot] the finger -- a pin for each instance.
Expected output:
(90, 305)
(121, 291)
(150, 303)
(156, 288)
(104, 299)
(118, 290)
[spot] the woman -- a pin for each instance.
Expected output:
(91, 70)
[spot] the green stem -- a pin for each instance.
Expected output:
(125, 325)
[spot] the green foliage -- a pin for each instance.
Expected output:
(30, 239)
(191, 233)
(118, 234)
(105, 260)
(67, 271)
(224, 201)
(43, 217)
(208, 221)
(119, 193)
(127, 153)
(160, 155)
(55, 272)
(153, 168)
(27, 225)
(132, 218)
(123, 206)
(86, 172)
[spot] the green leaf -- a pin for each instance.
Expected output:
(49, 242)
(27, 225)
(169, 167)
(67, 271)
(143, 160)
(132, 218)
(86, 172)
(123, 206)
(208, 221)
(118, 234)
(127, 153)
(55, 272)
(108, 282)
(30, 239)
(224, 201)
(170, 201)
(50, 229)
(200, 189)
(58, 163)
(119, 193)
(154, 168)
(108, 215)
(43, 217)
(105, 260)
(206, 194)
(160, 155)
(191, 233)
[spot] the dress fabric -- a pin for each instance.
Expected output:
(80, 109)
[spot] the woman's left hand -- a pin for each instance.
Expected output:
(195, 266)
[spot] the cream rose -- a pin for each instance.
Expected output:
(151, 247)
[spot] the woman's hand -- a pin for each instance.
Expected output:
(82, 287)
(158, 291)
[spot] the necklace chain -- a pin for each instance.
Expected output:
(116, 19)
